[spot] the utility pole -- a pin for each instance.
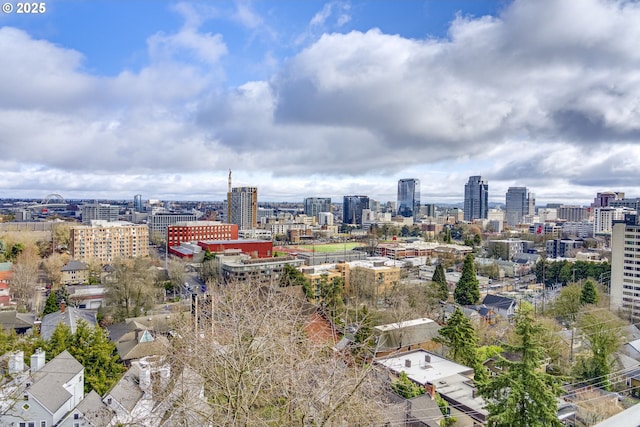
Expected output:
(573, 331)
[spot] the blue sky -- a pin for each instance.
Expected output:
(107, 99)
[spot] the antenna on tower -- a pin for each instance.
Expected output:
(229, 180)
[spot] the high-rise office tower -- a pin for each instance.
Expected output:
(242, 206)
(352, 207)
(137, 203)
(476, 198)
(605, 198)
(625, 277)
(314, 205)
(409, 198)
(517, 205)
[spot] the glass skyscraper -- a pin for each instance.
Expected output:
(476, 198)
(409, 198)
(314, 205)
(517, 205)
(352, 209)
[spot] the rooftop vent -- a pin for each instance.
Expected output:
(407, 363)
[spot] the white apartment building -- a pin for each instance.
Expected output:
(105, 241)
(603, 219)
(625, 266)
(325, 218)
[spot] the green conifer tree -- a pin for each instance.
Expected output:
(589, 293)
(467, 289)
(51, 305)
(459, 336)
(523, 395)
(440, 279)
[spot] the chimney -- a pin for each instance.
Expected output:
(37, 360)
(144, 377)
(427, 358)
(407, 363)
(62, 306)
(16, 362)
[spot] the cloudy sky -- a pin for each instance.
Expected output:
(107, 99)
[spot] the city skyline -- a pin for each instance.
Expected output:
(320, 99)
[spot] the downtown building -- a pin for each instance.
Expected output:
(476, 198)
(409, 198)
(313, 206)
(625, 267)
(519, 203)
(106, 241)
(242, 207)
(352, 208)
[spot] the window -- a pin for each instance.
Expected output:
(76, 416)
(43, 424)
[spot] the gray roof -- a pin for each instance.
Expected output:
(127, 392)
(491, 300)
(74, 265)
(629, 417)
(11, 319)
(94, 410)
(47, 387)
(70, 317)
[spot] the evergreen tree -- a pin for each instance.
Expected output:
(440, 279)
(60, 341)
(92, 348)
(522, 395)
(462, 341)
(51, 305)
(589, 293)
(467, 290)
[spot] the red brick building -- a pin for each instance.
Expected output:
(253, 248)
(193, 231)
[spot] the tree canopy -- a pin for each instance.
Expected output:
(461, 340)
(522, 395)
(439, 278)
(467, 290)
(589, 293)
(92, 348)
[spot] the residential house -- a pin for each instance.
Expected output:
(147, 395)
(70, 316)
(5, 277)
(86, 296)
(452, 381)
(502, 306)
(90, 412)
(135, 340)
(11, 320)
(44, 394)
(74, 273)
(405, 336)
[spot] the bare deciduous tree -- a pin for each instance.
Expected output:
(131, 289)
(52, 265)
(24, 277)
(261, 365)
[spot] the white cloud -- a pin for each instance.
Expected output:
(545, 95)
